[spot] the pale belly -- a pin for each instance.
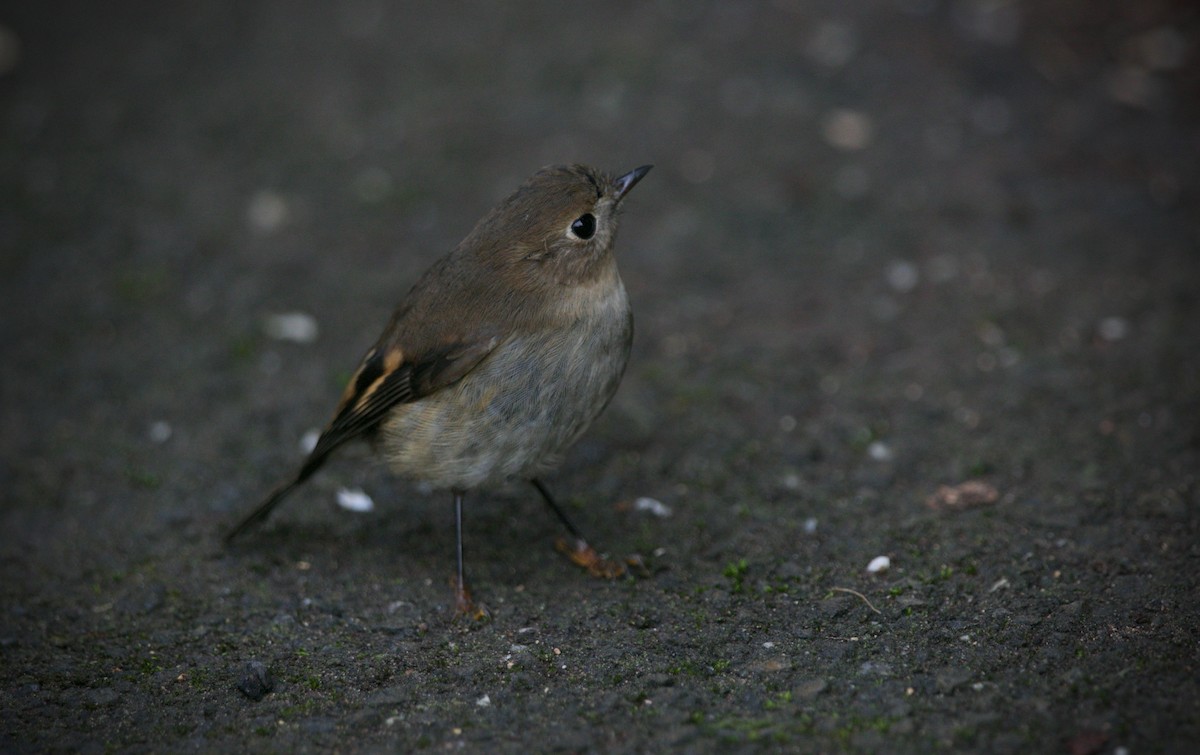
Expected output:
(515, 414)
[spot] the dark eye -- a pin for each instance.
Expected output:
(584, 226)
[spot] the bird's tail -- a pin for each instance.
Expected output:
(263, 510)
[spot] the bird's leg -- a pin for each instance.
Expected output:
(579, 551)
(463, 605)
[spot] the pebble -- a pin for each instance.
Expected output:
(847, 130)
(267, 211)
(880, 451)
(297, 327)
(1113, 328)
(354, 499)
(160, 432)
(308, 441)
(255, 681)
(654, 506)
(879, 564)
(903, 276)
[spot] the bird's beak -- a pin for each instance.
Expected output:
(627, 181)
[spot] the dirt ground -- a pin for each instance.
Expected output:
(912, 278)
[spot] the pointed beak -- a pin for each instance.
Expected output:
(629, 180)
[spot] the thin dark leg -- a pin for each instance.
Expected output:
(580, 552)
(463, 605)
(562, 516)
(460, 588)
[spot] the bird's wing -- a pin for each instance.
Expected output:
(387, 377)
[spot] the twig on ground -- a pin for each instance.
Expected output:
(859, 594)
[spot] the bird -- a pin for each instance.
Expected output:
(499, 357)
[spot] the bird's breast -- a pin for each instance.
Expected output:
(519, 410)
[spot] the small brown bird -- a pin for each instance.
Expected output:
(501, 355)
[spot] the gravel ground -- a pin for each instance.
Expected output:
(912, 278)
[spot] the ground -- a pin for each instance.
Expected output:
(912, 278)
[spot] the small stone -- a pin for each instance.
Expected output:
(160, 432)
(354, 499)
(879, 564)
(848, 130)
(1113, 328)
(297, 327)
(308, 441)
(654, 506)
(879, 451)
(267, 211)
(903, 276)
(962, 496)
(255, 681)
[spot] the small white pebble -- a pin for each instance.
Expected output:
(903, 276)
(879, 451)
(160, 432)
(308, 441)
(298, 327)
(1114, 328)
(654, 506)
(267, 211)
(354, 500)
(810, 525)
(847, 130)
(484, 701)
(768, 644)
(879, 564)
(999, 584)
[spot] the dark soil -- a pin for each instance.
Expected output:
(887, 247)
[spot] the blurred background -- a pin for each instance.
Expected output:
(886, 246)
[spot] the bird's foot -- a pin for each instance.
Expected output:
(465, 607)
(586, 556)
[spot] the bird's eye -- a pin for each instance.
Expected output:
(584, 226)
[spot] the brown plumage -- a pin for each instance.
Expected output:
(501, 355)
